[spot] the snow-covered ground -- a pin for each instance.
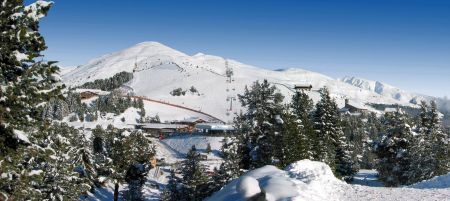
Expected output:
(173, 150)
(158, 69)
(367, 178)
(314, 181)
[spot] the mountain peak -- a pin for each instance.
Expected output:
(150, 43)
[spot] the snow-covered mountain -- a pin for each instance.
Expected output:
(386, 90)
(158, 70)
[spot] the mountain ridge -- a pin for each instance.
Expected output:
(159, 69)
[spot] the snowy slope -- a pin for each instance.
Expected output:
(385, 89)
(158, 70)
(313, 181)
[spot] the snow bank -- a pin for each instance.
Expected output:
(303, 180)
(310, 171)
(436, 182)
(248, 187)
(274, 182)
(314, 181)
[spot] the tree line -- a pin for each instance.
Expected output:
(109, 84)
(404, 149)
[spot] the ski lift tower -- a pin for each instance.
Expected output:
(230, 88)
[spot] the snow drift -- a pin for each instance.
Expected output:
(436, 182)
(314, 181)
(303, 180)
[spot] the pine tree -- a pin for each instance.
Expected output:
(123, 157)
(332, 147)
(264, 108)
(302, 106)
(422, 155)
(373, 128)
(394, 150)
(243, 141)
(325, 126)
(355, 130)
(430, 156)
(137, 155)
(229, 169)
(172, 191)
(295, 142)
(34, 153)
(440, 142)
(195, 182)
(84, 160)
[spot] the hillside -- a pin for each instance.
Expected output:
(158, 70)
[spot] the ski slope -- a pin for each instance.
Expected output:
(158, 70)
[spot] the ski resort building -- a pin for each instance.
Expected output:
(214, 128)
(303, 87)
(192, 121)
(157, 129)
(353, 108)
(87, 95)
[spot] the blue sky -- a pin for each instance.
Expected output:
(405, 43)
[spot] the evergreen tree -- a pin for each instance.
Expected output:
(195, 182)
(84, 160)
(430, 155)
(356, 133)
(332, 147)
(229, 169)
(37, 162)
(109, 84)
(302, 106)
(373, 127)
(295, 142)
(439, 141)
(138, 152)
(394, 150)
(172, 191)
(243, 141)
(422, 155)
(262, 123)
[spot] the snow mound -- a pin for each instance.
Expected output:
(248, 187)
(436, 182)
(315, 181)
(303, 180)
(274, 182)
(309, 171)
